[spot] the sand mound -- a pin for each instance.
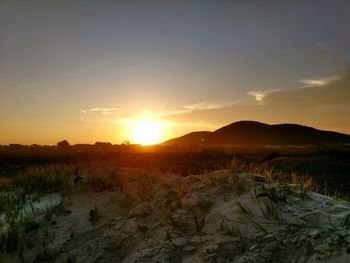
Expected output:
(215, 217)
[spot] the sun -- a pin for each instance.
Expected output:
(146, 132)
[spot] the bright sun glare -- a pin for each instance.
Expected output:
(146, 132)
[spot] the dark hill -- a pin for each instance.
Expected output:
(257, 134)
(193, 138)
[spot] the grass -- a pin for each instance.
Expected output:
(52, 210)
(23, 190)
(345, 221)
(229, 229)
(198, 217)
(94, 215)
(44, 179)
(227, 182)
(204, 204)
(243, 208)
(269, 210)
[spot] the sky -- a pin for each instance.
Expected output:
(87, 70)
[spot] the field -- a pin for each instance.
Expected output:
(328, 168)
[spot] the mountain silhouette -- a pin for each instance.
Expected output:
(257, 134)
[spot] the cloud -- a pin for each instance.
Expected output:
(147, 114)
(203, 106)
(317, 82)
(169, 114)
(259, 95)
(163, 113)
(104, 111)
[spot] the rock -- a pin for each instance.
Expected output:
(294, 240)
(180, 218)
(302, 259)
(141, 210)
(258, 236)
(269, 238)
(189, 248)
(199, 240)
(212, 248)
(347, 239)
(314, 233)
(179, 242)
(253, 247)
(321, 248)
(271, 246)
(142, 227)
(265, 253)
(342, 233)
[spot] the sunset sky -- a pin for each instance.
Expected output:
(87, 71)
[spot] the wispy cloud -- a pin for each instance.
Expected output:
(260, 95)
(203, 106)
(184, 109)
(316, 82)
(104, 111)
(163, 113)
(148, 114)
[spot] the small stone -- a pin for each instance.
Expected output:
(212, 248)
(179, 242)
(141, 210)
(314, 233)
(259, 235)
(271, 246)
(253, 247)
(265, 253)
(302, 259)
(294, 240)
(189, 248)
(199, 240)
(268, 238)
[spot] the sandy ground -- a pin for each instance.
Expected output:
(208, 218)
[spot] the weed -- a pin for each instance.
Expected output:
(46, 255)
(94, 215)
(244, 209)
(49, 235)
(43, 179)
(70, 259)
(204, 204)
(199, 219)
(276, 194)
(228, 182)
(345, 221)
(226, 228)
(9, 239)
(269, 210)
(172, 200)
